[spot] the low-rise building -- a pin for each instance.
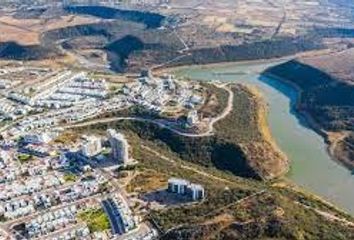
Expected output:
(37, 138)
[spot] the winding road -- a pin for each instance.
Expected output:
(163, 124)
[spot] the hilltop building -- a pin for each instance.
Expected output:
(192, 118)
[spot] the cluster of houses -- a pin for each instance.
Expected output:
(63, 90)
(51, 221)
(32, 185)
(77, 113)
(12, 111)
(81, 232)
(6, 84)
(154, 93)
(78, 191)
(33, 168)
(77, 98)
(76, 89)
(17, 208)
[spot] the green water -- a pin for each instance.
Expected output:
(311, 166)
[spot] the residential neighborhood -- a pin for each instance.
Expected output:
(57, 189)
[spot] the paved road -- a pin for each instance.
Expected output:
(227, 110)
(61, 231)
(5, 233)
(114, 219)
(161, 124)
(11, 223)
(142, 229)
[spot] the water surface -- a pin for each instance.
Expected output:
(311, 166)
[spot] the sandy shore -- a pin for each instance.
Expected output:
(262, 112)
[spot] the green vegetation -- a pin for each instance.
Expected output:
(222, 189)
(279, 212)
(215, 102)
(134, 111)
(266, 216)
(237, 146)
(96, 219)
(277, 216)
(23, 158)
(327, 100)
(276, 213)
(67, 137)
(147, 181)
(70, 177)
(106, 152)
(113, 88)
(104, 187)
(235, 207)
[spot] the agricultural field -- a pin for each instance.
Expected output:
(28, 32)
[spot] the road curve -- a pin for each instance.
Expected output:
(161, 124)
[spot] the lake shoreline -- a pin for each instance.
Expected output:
(263, 125)
(306, 116)
(307, 147)
(330, 140)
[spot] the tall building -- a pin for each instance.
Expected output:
(192, 118)
(195, 192)
(91, 146)
(120, 147)
(176, 185)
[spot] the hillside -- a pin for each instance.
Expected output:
(326, 91)
(234, 208)
(241, 144)
(171, 36)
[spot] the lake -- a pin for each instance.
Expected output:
(311, 166)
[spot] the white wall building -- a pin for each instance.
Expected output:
(37, 138)
(196, 191)
(120, 147)
(176, 185)
(183, 187)
(91, 146)
(192, 118)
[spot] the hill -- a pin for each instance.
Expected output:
(241, 144)
(326, 90)
(177, 35)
